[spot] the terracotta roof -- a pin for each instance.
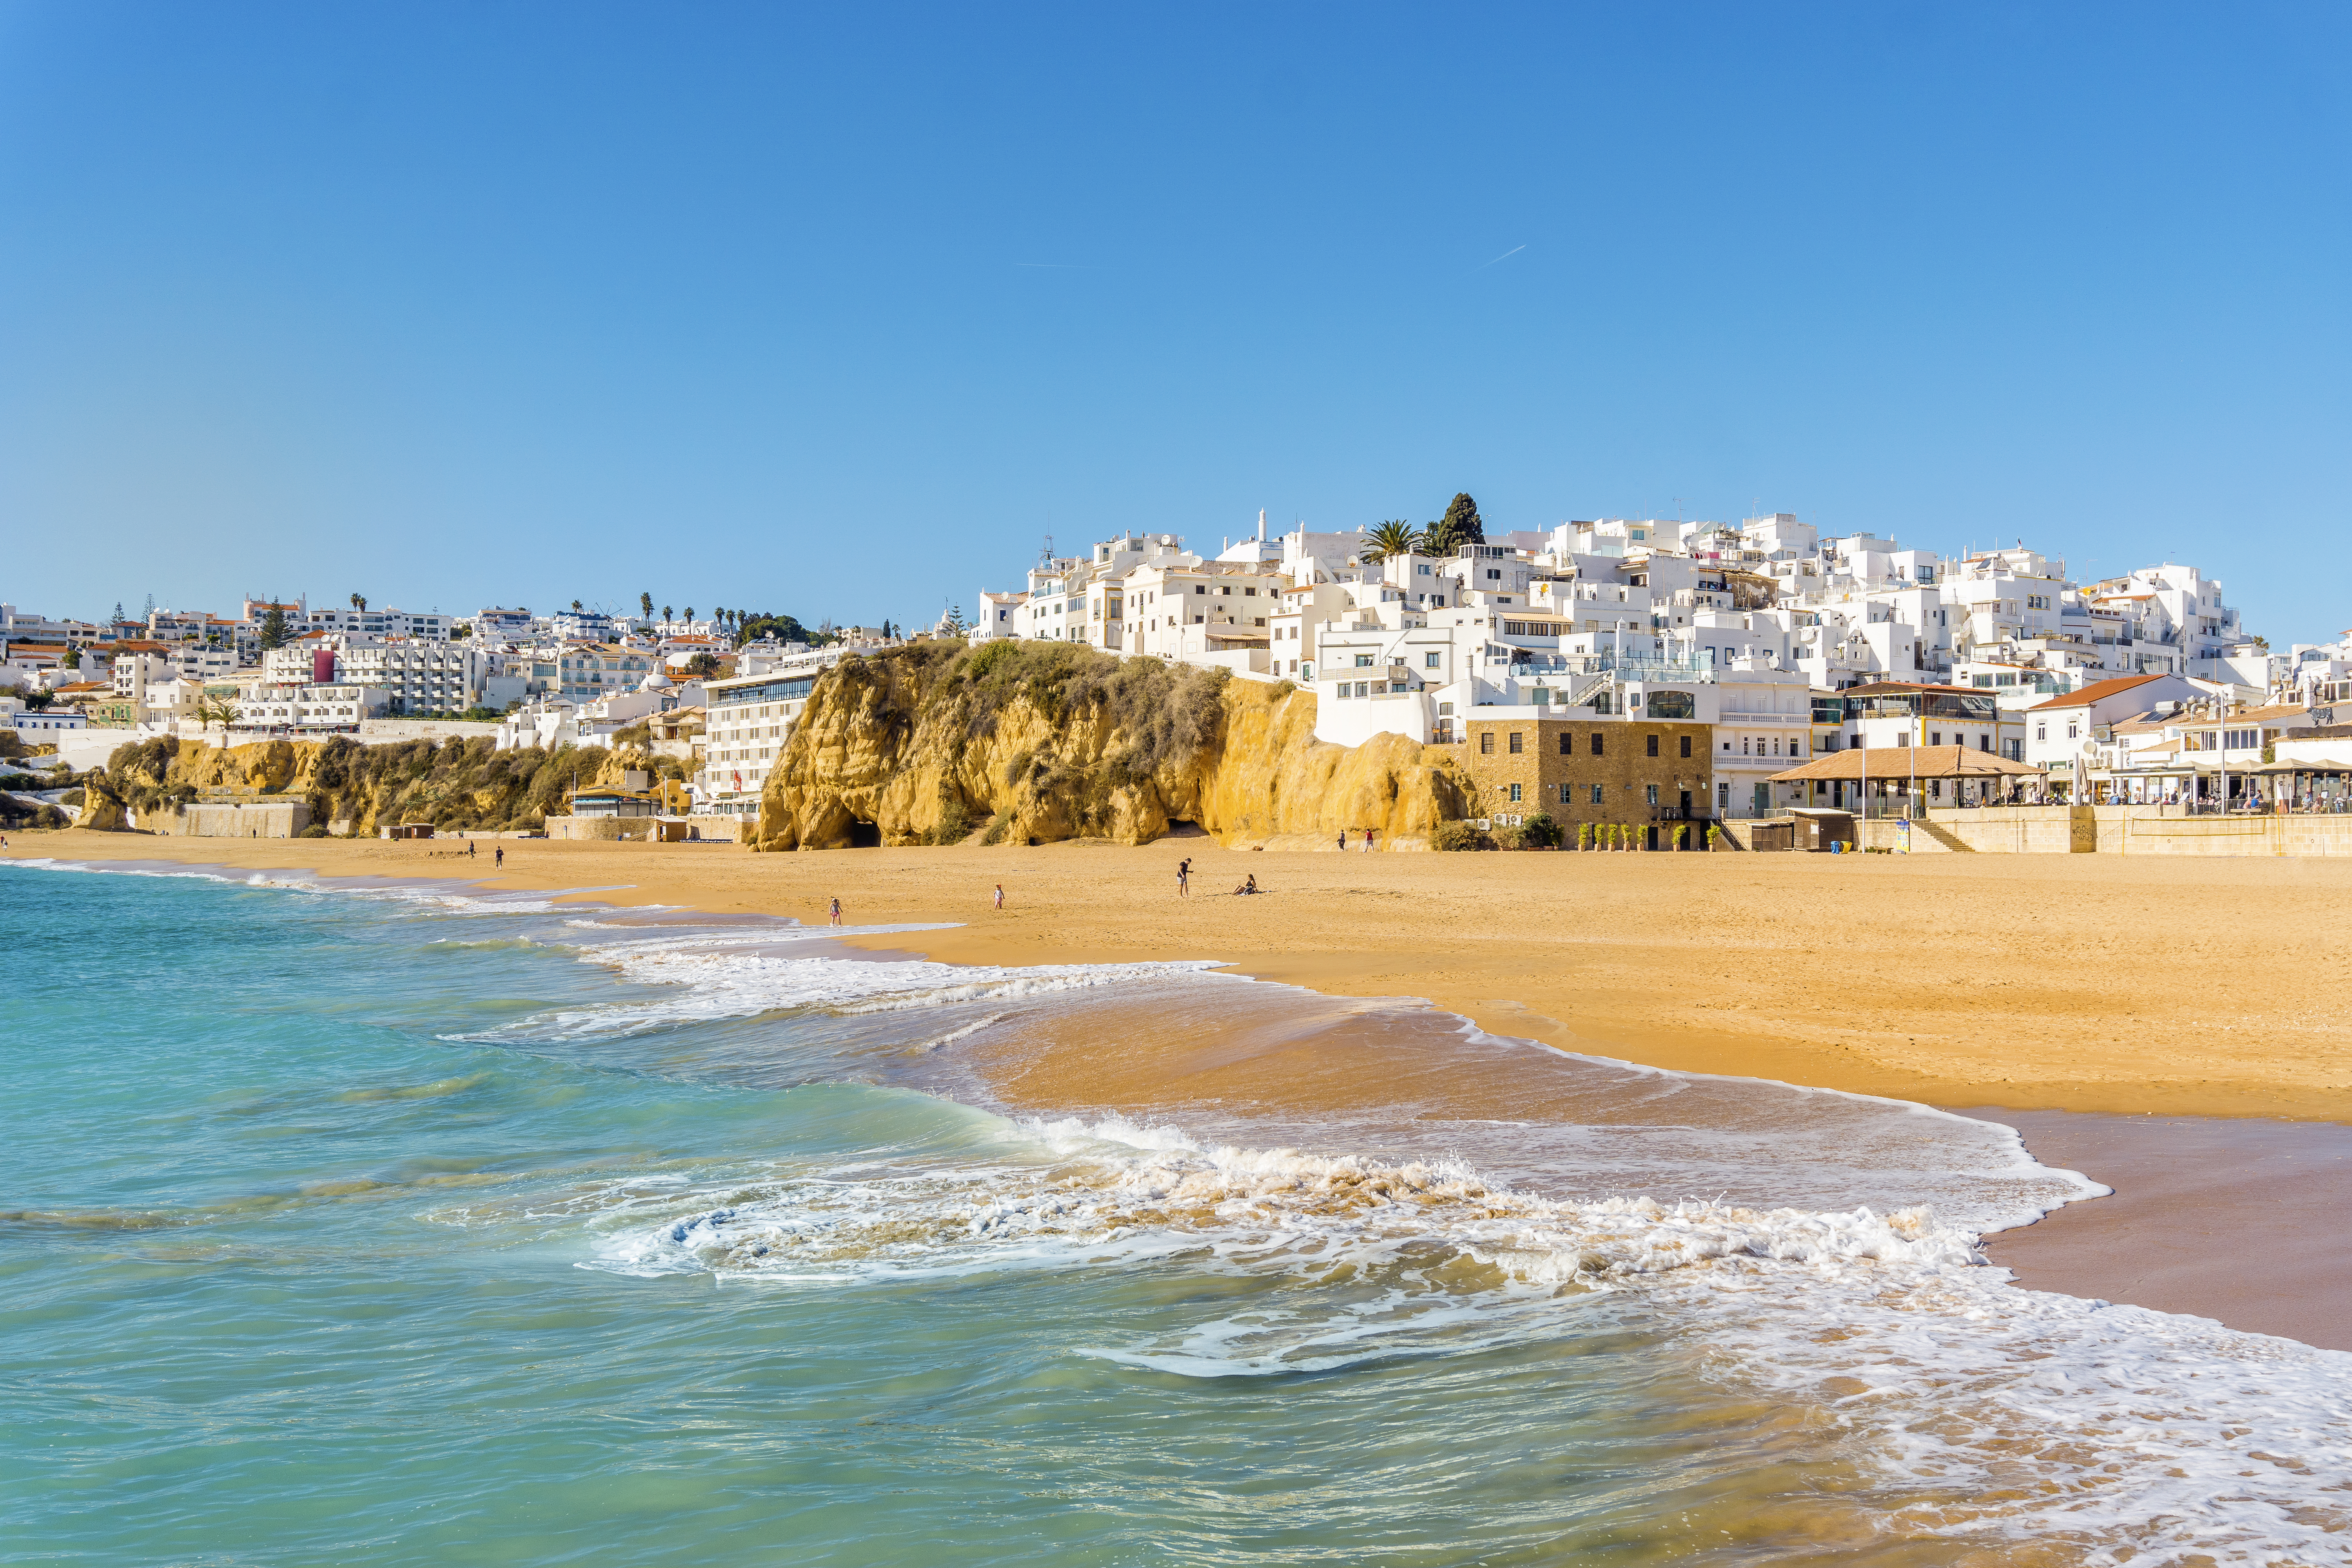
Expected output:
(2097, 691)
(1907, 762)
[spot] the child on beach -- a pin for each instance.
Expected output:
(1000, 895)
(836, 911)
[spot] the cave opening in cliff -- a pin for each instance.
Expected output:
(864, 835)
(1178, 828)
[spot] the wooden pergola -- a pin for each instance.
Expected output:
(1900, 770)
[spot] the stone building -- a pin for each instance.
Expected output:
(1596, 770)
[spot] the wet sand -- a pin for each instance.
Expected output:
(2236, 1220)
(2173, 994)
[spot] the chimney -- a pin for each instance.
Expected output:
(1261, 525)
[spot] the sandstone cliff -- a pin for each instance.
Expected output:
(454, 784)
(1050, 742)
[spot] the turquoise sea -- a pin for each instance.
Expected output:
(363, 1223)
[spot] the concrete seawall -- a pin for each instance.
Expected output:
(2113, 830)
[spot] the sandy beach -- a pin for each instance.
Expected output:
(2155, 989)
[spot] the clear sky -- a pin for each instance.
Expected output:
(837, 311)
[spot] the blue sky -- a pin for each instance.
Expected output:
(839, 311)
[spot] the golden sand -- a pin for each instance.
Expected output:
(2202, 987)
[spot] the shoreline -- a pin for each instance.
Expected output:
(2196, 1224)
(2167, 987)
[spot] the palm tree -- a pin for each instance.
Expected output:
(210, 709)
(667, 615)
(689, 612)
(645, 602)
(1394, 537)
(359, 601)
(575, 608)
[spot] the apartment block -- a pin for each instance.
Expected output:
(1590, 770)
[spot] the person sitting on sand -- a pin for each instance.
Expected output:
(1248, 886)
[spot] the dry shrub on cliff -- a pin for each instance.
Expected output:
(459, 783)
(1170, 713)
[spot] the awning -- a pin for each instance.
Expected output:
(1883, 763)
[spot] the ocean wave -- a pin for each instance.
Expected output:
(1981, 1407)
(702, 978)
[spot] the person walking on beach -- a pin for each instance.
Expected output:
(469, 849)
(1343, 841)
(836, 911)
(1368, 841)
(1183, 879)
(1000, 895)
(499, 855)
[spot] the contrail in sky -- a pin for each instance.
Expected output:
(1504, 257)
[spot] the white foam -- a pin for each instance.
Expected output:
(705, 976)
(2134, 1435)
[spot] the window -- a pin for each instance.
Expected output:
(1363, 661)
(1493, 575)
(1429, 661)
(1935, 737)
(1515, 747)
(1515, 789)
(1564, 793)
(1485, 742)
(1653, 795)
(1652, 749)
(1200, 587)
(1566, 747)
(1249, 593)
(1596, 795)
(1596, 742)
(1227, 590)
(2072, 730)
(2041, 732)
(1685, 745)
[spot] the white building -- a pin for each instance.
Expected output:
(300, 710)
(750, 719)
(417, 626)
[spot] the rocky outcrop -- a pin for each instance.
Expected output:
(1033, 743)
(454, 784)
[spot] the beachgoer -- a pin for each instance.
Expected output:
(1368, 841)
(1000, 895)
(1343, 841)
(836, 911)
(469, 849)
(498, 855)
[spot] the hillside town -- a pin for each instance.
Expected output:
(1769, 671)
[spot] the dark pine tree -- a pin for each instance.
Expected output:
(1461, 524)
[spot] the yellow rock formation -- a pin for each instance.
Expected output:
(874, 760)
